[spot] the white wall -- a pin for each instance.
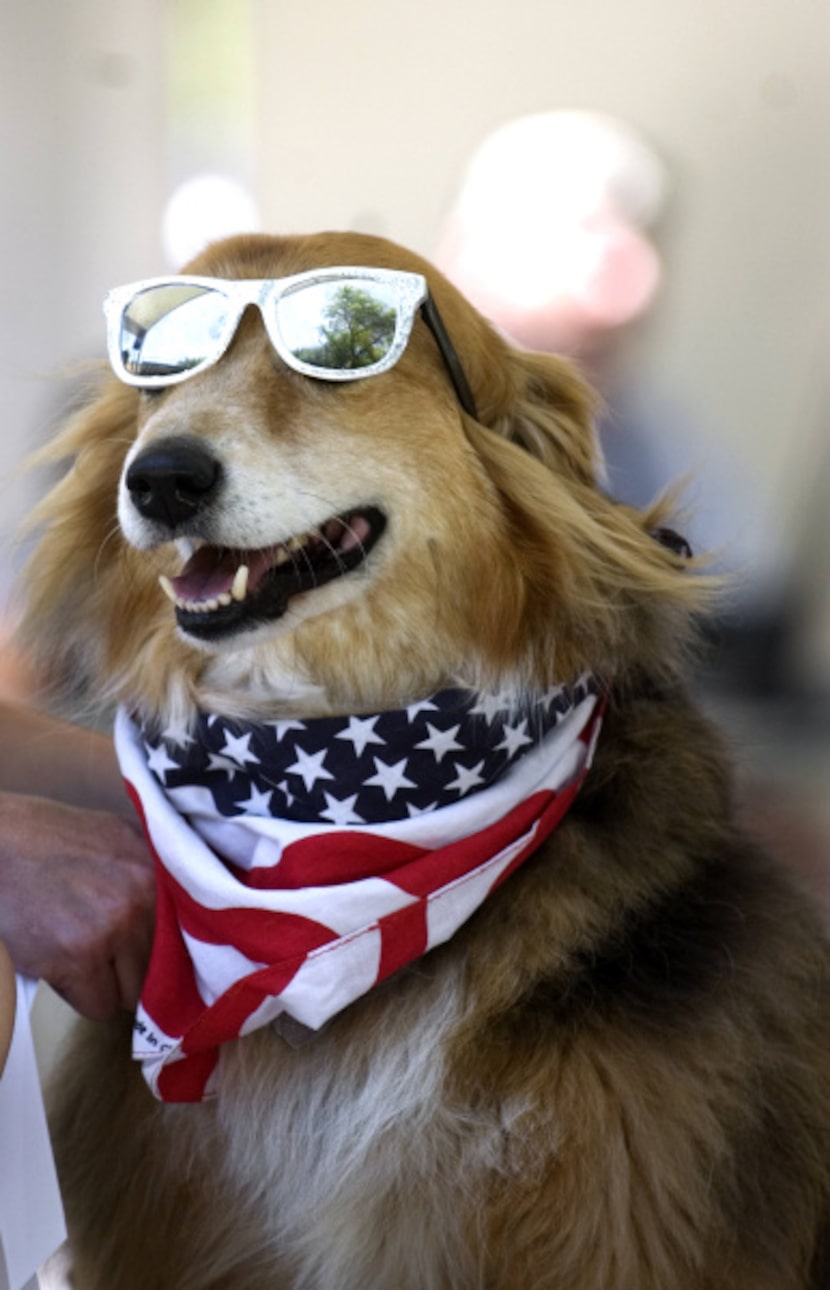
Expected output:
(82, 180)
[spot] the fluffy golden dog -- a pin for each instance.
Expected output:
(616, 1074)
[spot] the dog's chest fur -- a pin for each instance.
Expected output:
(359, 1128)
(368, 1169)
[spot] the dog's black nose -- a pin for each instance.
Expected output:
(172, 480)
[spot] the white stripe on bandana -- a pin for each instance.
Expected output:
(300, 863)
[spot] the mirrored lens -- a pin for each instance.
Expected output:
(171, 329)
(347, 325)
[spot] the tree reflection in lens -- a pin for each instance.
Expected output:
(357, 332)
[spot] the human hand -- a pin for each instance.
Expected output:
(76, 901)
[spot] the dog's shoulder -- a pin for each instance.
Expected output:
(657, 899)
(667, 1010)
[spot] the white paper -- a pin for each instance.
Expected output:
(31, 1214)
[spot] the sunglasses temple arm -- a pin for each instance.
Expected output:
(433, 320)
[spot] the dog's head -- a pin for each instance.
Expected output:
(254, 539)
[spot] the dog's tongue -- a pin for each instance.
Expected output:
(210, 572)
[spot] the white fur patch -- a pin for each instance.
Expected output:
(348, 1148)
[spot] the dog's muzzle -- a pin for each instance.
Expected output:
(176, 485)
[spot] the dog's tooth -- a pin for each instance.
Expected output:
(186, 547)
(167, 587)
(294, 544)
(239, 587)
(281, 555)
(224, 599)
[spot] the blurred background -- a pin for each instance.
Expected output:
(695, 288)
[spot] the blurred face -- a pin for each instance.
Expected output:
(548, 236)
(562, 288)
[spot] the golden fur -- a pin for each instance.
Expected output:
(617, 1074)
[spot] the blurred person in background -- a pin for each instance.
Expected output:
(554, 236)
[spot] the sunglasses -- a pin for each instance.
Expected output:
(337, 324)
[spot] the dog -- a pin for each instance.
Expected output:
(321, 495)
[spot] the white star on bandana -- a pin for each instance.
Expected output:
(178, 734)
(415, 709)
(467, 778)
(341, 812)
(231, 768)
(281, 728)
(310, 767)
(159, 762)
(238, 749)
(441, 742)
(361, 732)
(258, 803)
(390, 778)
(491, 706)
(515, 737)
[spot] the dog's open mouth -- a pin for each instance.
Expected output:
(220, 591)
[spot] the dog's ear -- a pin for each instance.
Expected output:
(600, 591)
(70, 587)
(549, 410)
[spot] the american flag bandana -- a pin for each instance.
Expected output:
(301, 863)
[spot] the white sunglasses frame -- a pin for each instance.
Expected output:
(411, 292)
